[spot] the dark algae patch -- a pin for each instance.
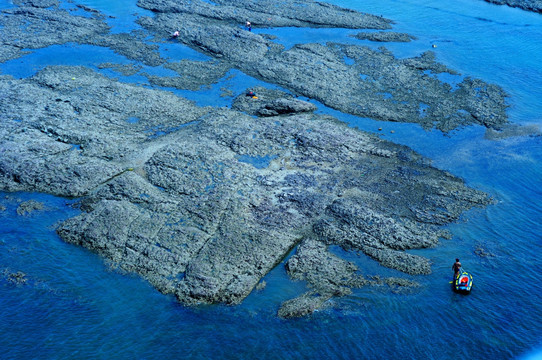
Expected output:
(203, 202)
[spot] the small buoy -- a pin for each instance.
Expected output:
(379, 129)
(254, 97)
(73, 78)
(130, 169)
(434, 46)
(393, 131)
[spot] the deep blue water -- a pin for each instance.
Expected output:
(74, 307)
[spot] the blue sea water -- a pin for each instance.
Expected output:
(73, 306)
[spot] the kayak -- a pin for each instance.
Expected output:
(463, 282)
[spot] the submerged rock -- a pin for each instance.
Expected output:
(16, 278)
(303, 305)
(126, 70)
(192, 75)
(204, 202)
(384, 36)
(529, 5)
(512, 130)
(29, 206)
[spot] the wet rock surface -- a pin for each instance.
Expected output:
(260, 101)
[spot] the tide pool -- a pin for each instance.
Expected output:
(73, 305)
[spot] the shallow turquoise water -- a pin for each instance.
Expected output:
(75, 307)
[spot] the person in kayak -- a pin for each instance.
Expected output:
(456, 267)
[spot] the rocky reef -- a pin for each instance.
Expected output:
(203, 202)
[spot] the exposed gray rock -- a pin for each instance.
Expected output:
(9, 52)
(47, 27)
(266, 13)
(51, 122)
(286, 106)
(327, 275)
(426, 62)
(261, 285)
(325, 272)
(204, 202)
(133, 46)
(94, 12)
(270, 103)
(353, 79)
